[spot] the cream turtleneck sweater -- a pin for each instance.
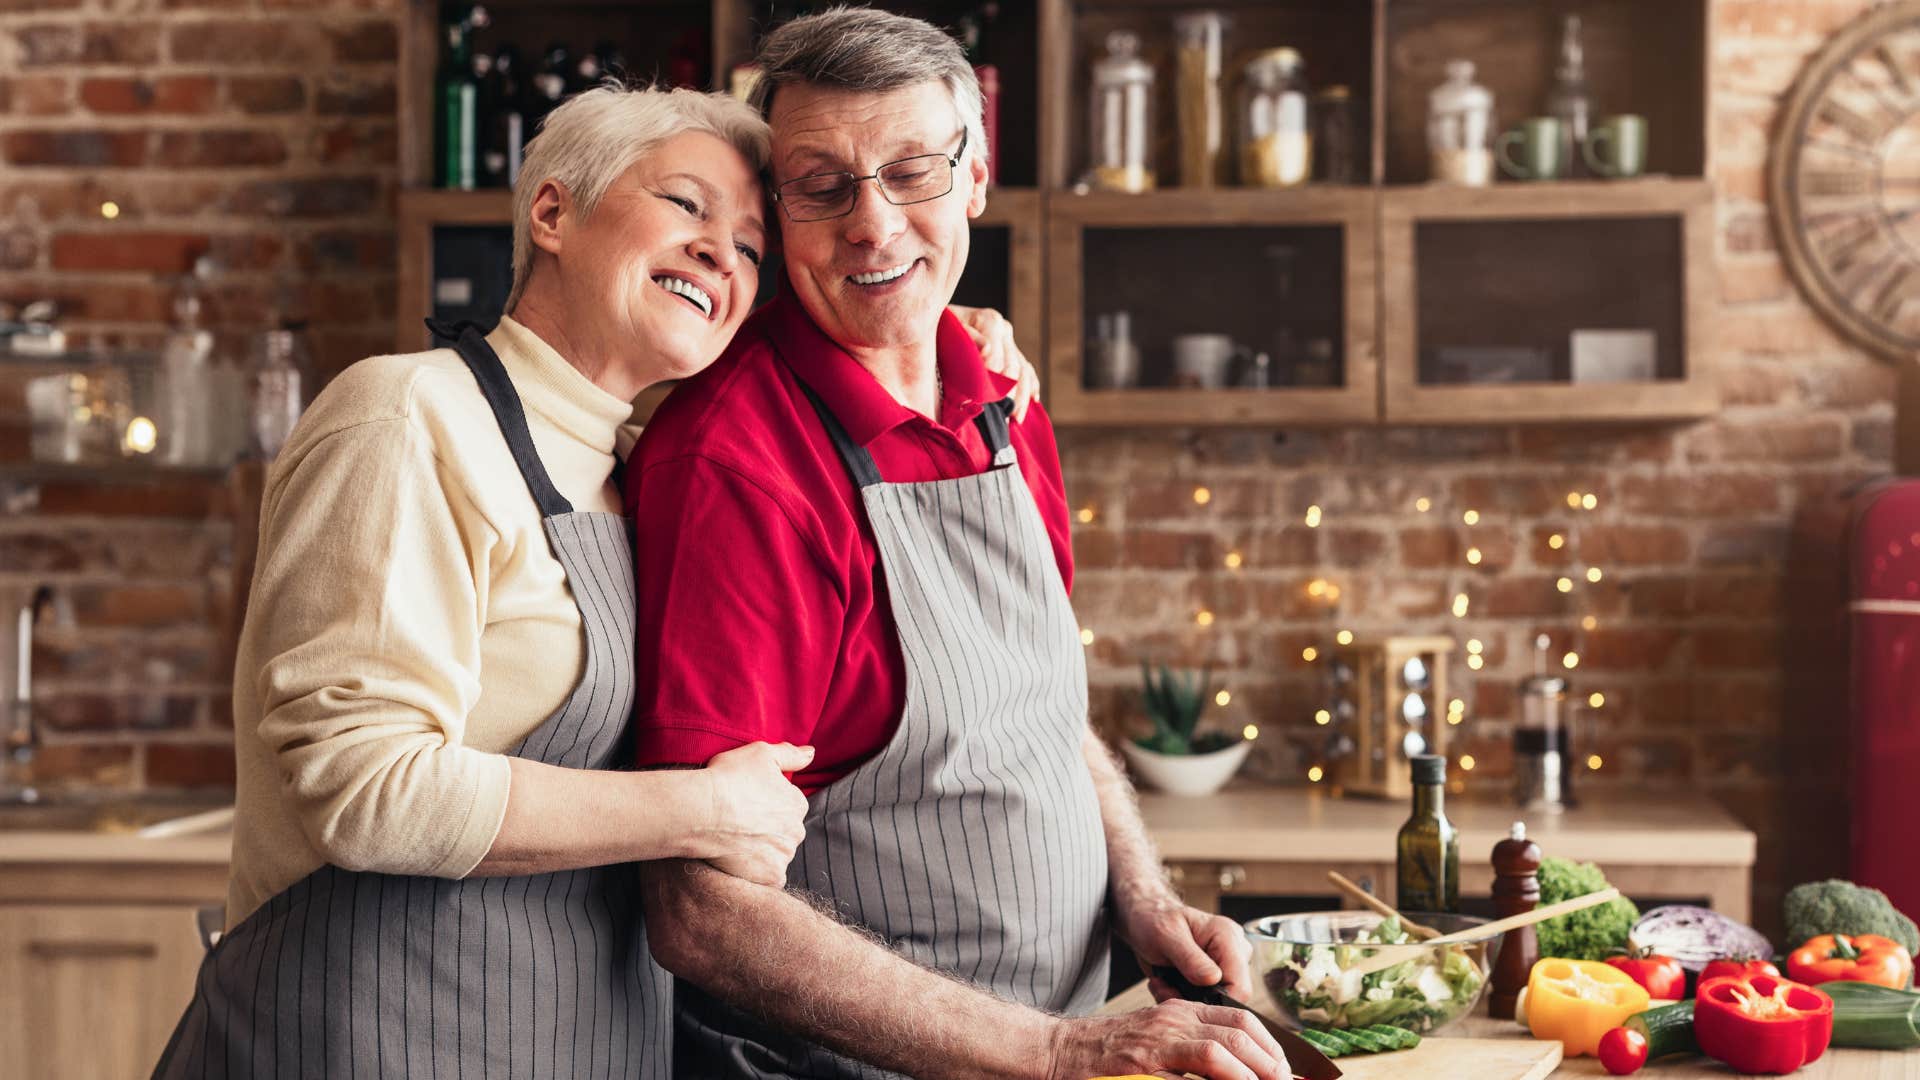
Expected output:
(408, 622)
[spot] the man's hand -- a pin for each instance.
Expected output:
(993, 335)
(1169, 1039)
(1207, 949)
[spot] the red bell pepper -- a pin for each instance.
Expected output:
(1760, 1024)
(1740, 965)
(1660, 976)
(1867, 958)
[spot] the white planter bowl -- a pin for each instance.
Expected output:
(1186, 774)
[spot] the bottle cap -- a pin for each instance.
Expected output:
(1429, 769)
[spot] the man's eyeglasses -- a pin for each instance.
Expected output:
(902, 183)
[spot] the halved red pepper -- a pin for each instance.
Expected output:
(1760, 1024)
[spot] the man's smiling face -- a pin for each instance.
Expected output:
(880, 276)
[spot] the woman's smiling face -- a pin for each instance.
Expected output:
(672, 252)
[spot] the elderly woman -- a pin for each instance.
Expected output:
(434, 852)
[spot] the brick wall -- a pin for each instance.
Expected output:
(262, 131)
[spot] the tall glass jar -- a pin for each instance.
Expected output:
(1337, 151)
(1460, 128)
(1201, 38)
(1276, 134)
(1120, 126)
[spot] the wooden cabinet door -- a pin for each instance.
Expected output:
(91, 990)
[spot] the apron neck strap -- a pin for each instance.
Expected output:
(497, 388)
(992, 423)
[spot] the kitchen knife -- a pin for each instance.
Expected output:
(1306, 1060)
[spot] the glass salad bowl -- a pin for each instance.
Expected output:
(1315, 966)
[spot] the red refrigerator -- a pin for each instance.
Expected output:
(1884, 613)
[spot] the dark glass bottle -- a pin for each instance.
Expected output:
(1428, 848)
(502, 133)
(457, 100)
(549, 85)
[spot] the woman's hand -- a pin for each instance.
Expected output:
(757, 814)
(993, 335)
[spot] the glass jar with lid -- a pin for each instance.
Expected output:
(1201, 38)
(1276, 134)
(1460, 128)
(1120, 124)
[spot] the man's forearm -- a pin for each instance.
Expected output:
(771, 953)
(1133, 864)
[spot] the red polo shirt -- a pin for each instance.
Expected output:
(763, 610)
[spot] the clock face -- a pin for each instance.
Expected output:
(1844, 181)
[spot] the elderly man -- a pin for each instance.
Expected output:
(868, 556)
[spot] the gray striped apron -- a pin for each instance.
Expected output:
(545, 975)
(972, 843)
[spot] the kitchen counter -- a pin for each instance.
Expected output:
(1258, 839)
(1835, 1064)
(91, 852)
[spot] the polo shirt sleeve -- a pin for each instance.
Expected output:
(739, 623)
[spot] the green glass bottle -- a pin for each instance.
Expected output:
(1428, 870)
(458, 93)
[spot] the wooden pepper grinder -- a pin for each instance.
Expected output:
(1516, 889)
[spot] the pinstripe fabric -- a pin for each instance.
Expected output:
(972, 843)
(350, 974)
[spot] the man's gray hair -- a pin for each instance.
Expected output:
(855, 48)
(594, 137)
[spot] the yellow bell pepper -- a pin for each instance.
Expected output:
(1577, 1001)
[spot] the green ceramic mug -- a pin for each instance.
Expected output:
(1617, 146)
(1541, 156)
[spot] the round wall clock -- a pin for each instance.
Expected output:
(1843, 180)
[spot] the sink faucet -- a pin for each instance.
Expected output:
(22, 732)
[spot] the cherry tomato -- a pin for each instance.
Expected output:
(1623, 1050)
(1739, 966)
(1661, 976)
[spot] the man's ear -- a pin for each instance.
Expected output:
(977, 201)
(552, 207)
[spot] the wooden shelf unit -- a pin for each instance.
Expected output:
(1646, 56)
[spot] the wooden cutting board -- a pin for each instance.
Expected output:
(1479, 1059)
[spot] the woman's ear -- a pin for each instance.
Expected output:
(552, 206)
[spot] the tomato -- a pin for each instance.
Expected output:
(1623, 1050)
(1733, 966)
(1661, 976)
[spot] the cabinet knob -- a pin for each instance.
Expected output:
(1232, 876)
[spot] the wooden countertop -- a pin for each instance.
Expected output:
(1299, 824)
(1835, 1064)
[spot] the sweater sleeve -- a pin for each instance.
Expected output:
(371, 594)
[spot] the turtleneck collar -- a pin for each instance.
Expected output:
(556, 389)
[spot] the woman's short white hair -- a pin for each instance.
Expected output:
(594, 137)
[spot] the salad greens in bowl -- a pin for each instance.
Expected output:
(1304, 961)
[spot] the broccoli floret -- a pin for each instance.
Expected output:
(1589, 934)
(1841, 907)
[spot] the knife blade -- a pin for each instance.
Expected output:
(1303, 1058)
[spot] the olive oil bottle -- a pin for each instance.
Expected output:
(1428, 848)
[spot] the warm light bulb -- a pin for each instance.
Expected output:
(1471, 517)
(1570, 661)
(1454, 718)
(1251, 732)
(1474, 646)
(1596, 699)
(141, 436)
(1460, 606)
(1222, 698)
(1317, 587)
(1457, 705)
(1573, 499)
(1314, 774)
(1333, 593)
(1085, 515)
(1423, 504)
(1234, 560)
(1593, 762)
(1323, 718)
(1473, 556)
(1593, 574)
(1344, 637)
(1589, 501)
(1564, 584)
(1589, 623)
(1556, 541)
(1203, 617)
(1466, 762)
(1202, 496)
(1086, 636)
(1313, 517)
(1309, 654)
(1476, 662)
(109, 210)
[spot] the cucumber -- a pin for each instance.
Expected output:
(1333, 1048)
(1874, 1017)
(1406, 1040)
(1668, 1029)
(1339, 1040)
(1372, 1044)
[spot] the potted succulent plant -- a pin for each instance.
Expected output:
(1176, 757)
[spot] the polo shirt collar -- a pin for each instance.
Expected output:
(857, 399)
